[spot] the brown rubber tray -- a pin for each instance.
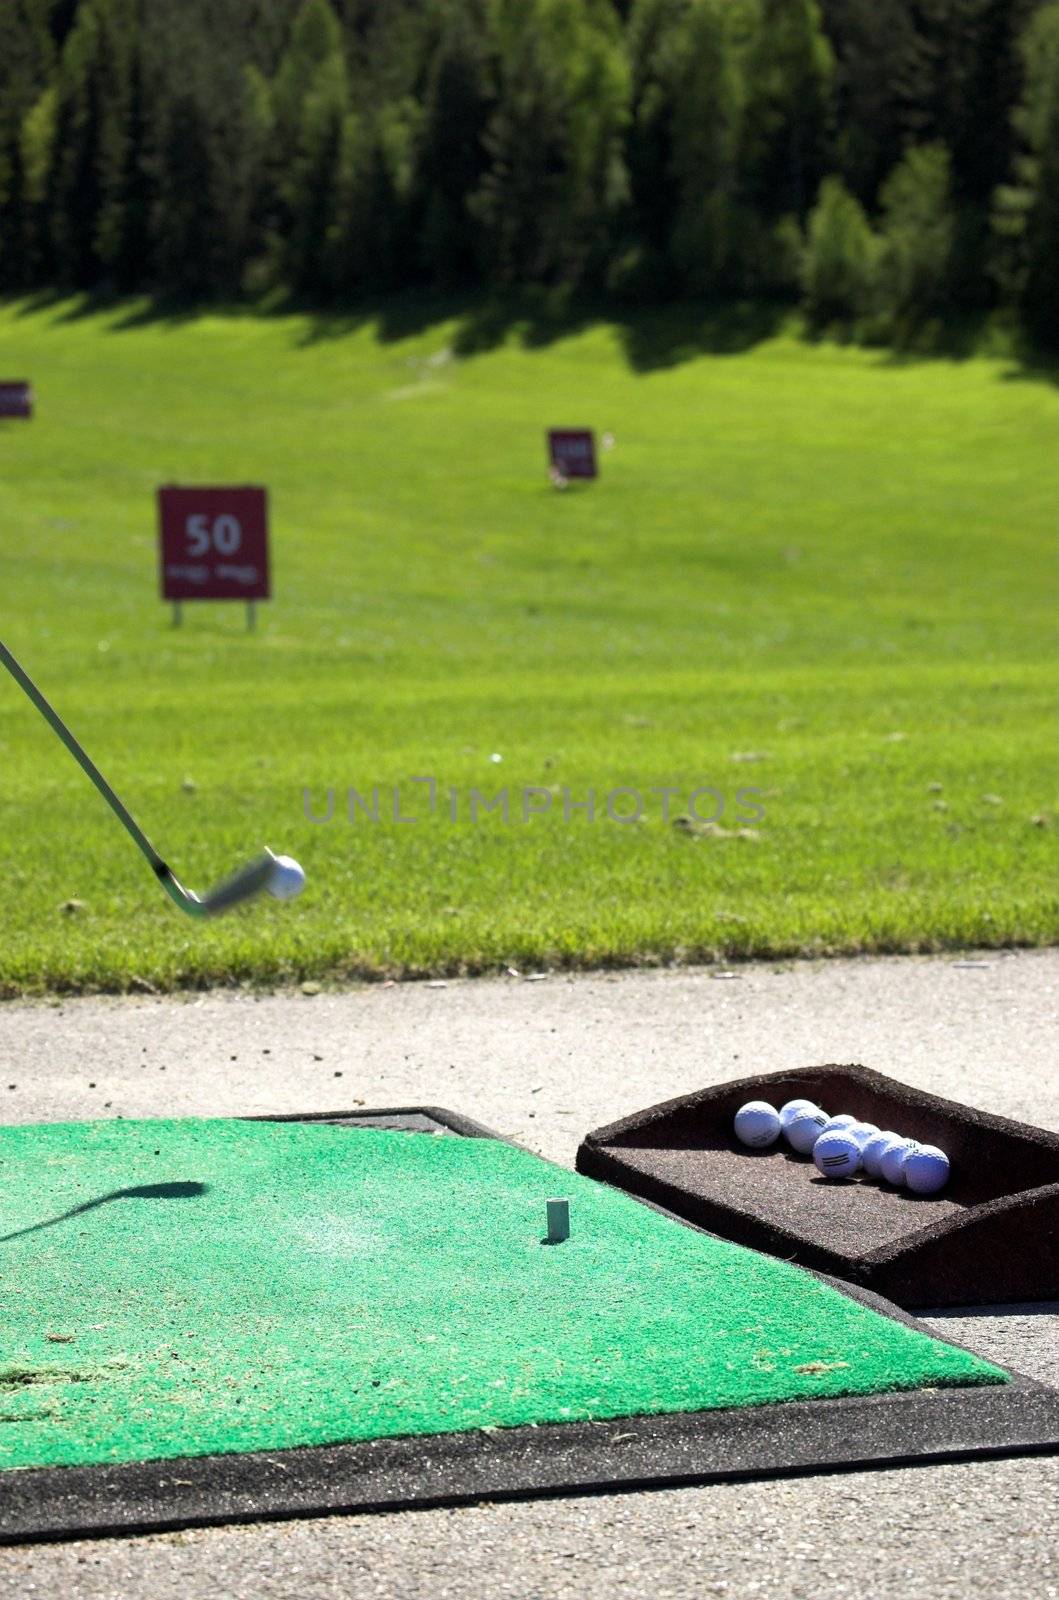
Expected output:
(991, 1236)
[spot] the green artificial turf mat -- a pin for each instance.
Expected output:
(281, 1284)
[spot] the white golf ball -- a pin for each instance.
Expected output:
(757, 1124)
(871, 1155)
(892, 1159)
(791, 1109)
(287, 880)
(925, 1170)
(862, 1132)
(843, 1120)
(804, 1129)
(837, 1154)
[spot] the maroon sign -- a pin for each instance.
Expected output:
(214, 544)
(16, 398)
(572, 452)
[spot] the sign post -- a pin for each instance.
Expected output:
(16, 398)
(572, 453)
(213, 545)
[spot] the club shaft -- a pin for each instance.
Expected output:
(84, 761)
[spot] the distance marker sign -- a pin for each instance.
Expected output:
(214, 544)
(572, 452)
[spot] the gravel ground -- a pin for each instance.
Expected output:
(544, 1062)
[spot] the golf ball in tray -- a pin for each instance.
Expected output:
(925, 1169)
(837, 1154)
(841, 1146)
(757, 1124)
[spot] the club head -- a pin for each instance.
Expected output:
(242, 885)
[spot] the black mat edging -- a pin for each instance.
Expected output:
(399, 1119)
(631, 1453)
(791, 1438)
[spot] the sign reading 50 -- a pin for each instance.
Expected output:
(213, 543)
(224, 534)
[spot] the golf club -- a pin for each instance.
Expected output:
(266, 871)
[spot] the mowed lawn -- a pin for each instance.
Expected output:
(809, 571)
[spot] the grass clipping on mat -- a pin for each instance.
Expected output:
(185, 1287)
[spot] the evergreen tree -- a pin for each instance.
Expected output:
(450, 158)
(1026, 215)
(310, 189)
(203, 162)
(841, 255)
(554, 177)
(36, 161)
(787, 116)
(308, 105)
(918, 229)
(656, 37)
(705, 95)
(75, 197)
(26, 70)
(315, 41)
(871, 44)
(121, 231)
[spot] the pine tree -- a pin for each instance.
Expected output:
(1026, 210)
(917, 233)
(787, 121)
(872, 44)
(554, 177)
(841, 256)
(654, 44)
(315, 41)
(120, 239)
(308, 104)
(311, 190)
(204, 154)
(450, 157)
(26, 67)
(704, 90)
(519, 202)
(75, 199)
(36, 161)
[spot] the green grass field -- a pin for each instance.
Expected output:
(835, 564)
(183, 1287)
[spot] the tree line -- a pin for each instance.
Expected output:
(885, 162)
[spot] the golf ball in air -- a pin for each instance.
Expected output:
(871, 1155)
(792, 1108)
(891, 1162)
(804, 1129)
(287, 880)
(925, 1169)
(837, 1154)
(757, 1124)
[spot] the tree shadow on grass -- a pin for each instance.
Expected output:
(958, 339)
(652, 336)
(665, 336)
(141, 1191)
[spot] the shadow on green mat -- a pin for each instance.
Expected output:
(141, 1191)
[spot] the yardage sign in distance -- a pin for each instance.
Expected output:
(16, 398)
(572, 452)
(214, 544)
